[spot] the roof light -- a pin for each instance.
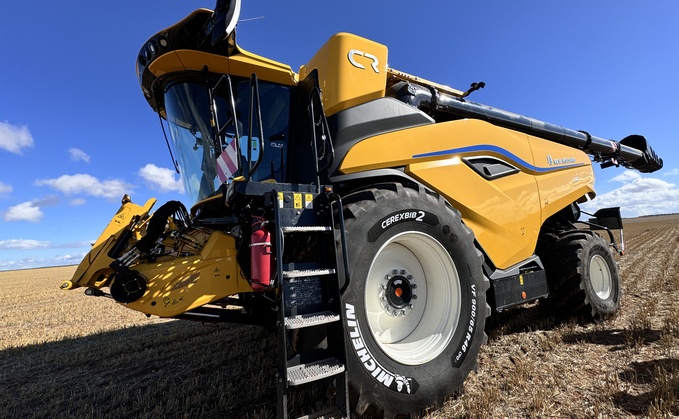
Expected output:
(152, 48)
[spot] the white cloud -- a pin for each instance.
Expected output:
(23, 244)
(27, 211)
(75, 245)
(68, 259)
(48, 201)
(672, 172)
(15, 138)
(35, 247)
(87, 185)
(162, 178)
(638, 196)
(40, 262)
(5, 188)
(626, 176)
(77, 202)
(28, 244)
(78, 155)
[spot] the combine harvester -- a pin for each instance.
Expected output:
(375, 219)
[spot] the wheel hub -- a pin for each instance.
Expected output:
(398, 293)
(600, 277)
(412, 330)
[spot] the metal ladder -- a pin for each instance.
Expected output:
(311, 265)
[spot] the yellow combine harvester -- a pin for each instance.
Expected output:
(374, 218)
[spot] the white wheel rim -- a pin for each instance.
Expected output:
(600, 277)
(420, 331)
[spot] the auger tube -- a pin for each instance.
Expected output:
(633, 151)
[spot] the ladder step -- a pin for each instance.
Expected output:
(305, 229)
(306, 373)
(307, 320)
(331, 413)
(307, 272)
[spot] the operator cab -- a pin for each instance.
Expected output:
(231, 116)
(207, 112)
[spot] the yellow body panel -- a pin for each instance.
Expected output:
(505, 213)
(560, 188)
(167, 64)
(242, 64)
(181, 284)
(94, 268)
(174, 284)
(246, 63)
(351, 70)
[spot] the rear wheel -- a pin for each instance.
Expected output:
(416, 303)
(583, 276)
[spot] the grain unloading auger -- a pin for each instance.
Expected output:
(631, 152)
(375, 219)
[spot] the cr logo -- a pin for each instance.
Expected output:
(352, 59)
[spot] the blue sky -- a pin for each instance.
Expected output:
(76, 132)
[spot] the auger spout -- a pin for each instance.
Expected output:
(631, 152)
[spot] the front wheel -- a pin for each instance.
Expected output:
(415, 306)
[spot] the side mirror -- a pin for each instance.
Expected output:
(224, 19)
(608, 218)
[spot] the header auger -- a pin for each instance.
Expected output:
(374, 218)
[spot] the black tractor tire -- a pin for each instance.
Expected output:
(583, 277)
(415, 306)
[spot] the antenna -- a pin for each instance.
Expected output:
(251, 18)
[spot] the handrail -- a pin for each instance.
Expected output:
(255, 106)
(315, 95)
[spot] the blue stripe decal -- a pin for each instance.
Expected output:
(495, 149)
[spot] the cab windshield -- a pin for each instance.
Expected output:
(208, 158)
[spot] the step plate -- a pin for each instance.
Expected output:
(304, 229)
(307, 272)
(331, 413)
(308, 320)
(306, 373)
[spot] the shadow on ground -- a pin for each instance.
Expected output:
(661, 375)
(176, 369)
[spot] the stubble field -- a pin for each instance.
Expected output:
(63, 354)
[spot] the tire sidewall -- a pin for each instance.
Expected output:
(448, 370)
(597, 247)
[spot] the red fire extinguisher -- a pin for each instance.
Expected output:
(260, 259)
